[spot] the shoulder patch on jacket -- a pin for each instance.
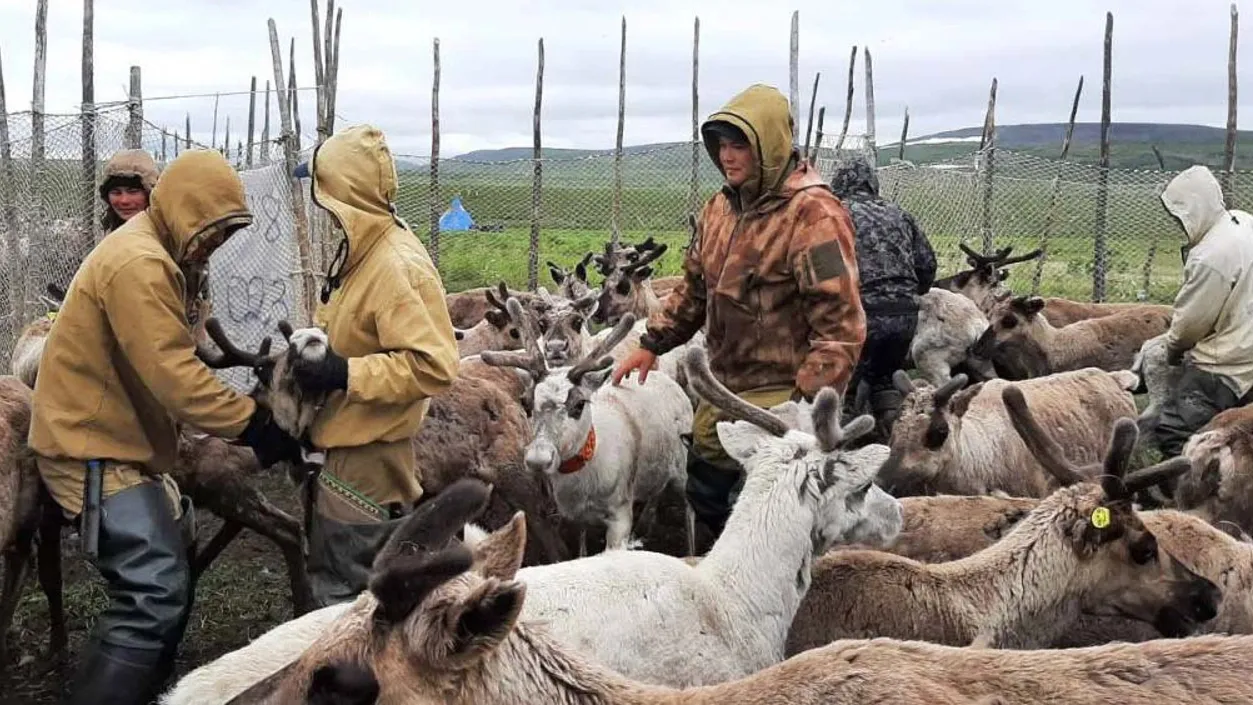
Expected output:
(824, 261)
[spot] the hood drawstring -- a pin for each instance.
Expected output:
(335, 269)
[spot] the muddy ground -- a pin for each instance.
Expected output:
(244, 593)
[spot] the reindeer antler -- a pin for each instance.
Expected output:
(598, 357)
(499, 302)
(231, 356)
(1021, 258)
(826, 419)
(650, 256)
(714, 392)
(531, 359)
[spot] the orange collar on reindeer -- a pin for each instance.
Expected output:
(580, 460)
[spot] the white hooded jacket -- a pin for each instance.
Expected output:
(1213, 314)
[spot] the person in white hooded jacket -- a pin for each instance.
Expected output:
(1211, 331)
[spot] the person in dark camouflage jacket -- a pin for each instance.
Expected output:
(771, 274)
(896, 265)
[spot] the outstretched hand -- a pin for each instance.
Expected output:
(641, 360)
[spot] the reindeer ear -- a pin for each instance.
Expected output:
(555, 271)
(960, 403)
(499, 554)
(483, 618)
(740, 439)
(592, 381)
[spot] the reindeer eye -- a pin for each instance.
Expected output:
(576, 322)
(513, 333)
(543, 325)
(624, 287)
(577, 410)
(1144, 551)
(1008, 322)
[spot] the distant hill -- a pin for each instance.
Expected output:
(1131, 145)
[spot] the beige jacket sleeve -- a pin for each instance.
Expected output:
(420, 358)
(150, 325)
(1197, 306)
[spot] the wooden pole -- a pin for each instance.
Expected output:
(987, 145)
(213, 137)
(616, 233)
(334, 93)
(14, 282)
(135, 107)
(226, 142)
(292, 93)
(694, 193)
(289, 157)
(870, 133)
(319, 72)
(90, 226)
(900, 148)
(809, 125)
(537, 174)
(1229, 163)
(794, 96)
(848, 100)
(1157, 154)
(37, 138)
(822, 115)
(188, 132)
(433, 196)
(1050, 214)
(1099, 254)
(165, 135)
(252, 120)
(265, 127)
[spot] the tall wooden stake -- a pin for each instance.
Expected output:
(188, 131)
(213, 136)
(987, 145)
(537, 174)
(1229, 163)
(694, 193)
(1050, 215)
(14, 282)
(265, 128)
(319, 72)
(617, 154)
(289, 157)
(900, 148)
(813, 156)
(252, 120)
(135, 106)
(870, 133)
(809, 125)
(433, 197)
(38, 172)
(794, 91)
(333, 95)
(1099, 254)
(848, 100)
(90, 226)
(292, 93)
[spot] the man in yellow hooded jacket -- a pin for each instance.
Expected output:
(392, 348)
(118, 373)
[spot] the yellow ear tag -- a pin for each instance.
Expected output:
(52, 315)
(1100, 517)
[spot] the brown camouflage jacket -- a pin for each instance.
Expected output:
(775, 287)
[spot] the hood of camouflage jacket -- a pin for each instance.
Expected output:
(762, 113)
(855, 177)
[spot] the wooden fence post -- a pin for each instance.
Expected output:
(694, 195)
(987, 146)
(90, 225)
(433, 195)
(1100, 255)
(537, 170)
(616, 234)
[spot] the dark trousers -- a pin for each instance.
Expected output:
(712, 491)
(888, 337)
(1199, 397)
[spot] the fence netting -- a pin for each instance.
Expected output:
(50, 210)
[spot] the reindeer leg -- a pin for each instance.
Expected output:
(16, 562)
(50, 580)
(219, 542)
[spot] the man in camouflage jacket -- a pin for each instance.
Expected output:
(896, 265)
(771, 274)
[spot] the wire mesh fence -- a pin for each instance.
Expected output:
(49, 208)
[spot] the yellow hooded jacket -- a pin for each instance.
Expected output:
(386, 314)
(119, 368)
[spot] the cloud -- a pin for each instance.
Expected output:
(937, 58)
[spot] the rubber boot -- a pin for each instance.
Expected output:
(341, 555)
(144, 563)
(711, 492)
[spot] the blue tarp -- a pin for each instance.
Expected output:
(456, 217)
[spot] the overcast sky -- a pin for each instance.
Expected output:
(936, 57)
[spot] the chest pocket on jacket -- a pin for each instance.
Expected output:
(775, 288)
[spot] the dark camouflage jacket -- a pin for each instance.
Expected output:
(774, 283)
(894, 259)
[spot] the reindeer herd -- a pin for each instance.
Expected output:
(1011, 543)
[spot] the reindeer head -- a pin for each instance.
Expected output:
(562, 325)
(560, 395)
(494, 332)
(1125, 570)
(572, 285)
(802, 448)
(626, 288)
(1014, 338)
(294, 410)
(925, 436)
(982, 283)
(434, 608)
